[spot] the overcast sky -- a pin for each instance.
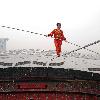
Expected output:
(80, 21)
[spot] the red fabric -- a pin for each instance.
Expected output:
(59, 37)
(58, 34)
(58, 44)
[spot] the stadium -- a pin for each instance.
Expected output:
(41, 83)
(39, 75)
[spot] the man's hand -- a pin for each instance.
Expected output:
(65, 40)
(49, 35)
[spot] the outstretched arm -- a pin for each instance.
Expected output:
(51, 34)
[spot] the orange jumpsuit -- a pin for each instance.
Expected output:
(58, 38)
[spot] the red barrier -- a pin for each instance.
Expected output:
(42, 96)
(32, 86)
(46, 96)
(78, 97)
(61, 97)
(51, 96)
(34, 96)
(11, 97)
(21, 97)
(95, 98)
(87, 98)
(1, 97)
(70, 97)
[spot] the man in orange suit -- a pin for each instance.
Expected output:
(58, 38)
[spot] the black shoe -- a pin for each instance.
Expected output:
(58, 55)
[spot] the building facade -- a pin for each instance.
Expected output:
(3, 42)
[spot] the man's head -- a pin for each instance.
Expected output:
(58, 25)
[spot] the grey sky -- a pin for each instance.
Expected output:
(80, 21)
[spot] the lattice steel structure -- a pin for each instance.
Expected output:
(42, 83)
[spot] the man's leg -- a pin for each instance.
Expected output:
(59, 50)
(58, 47)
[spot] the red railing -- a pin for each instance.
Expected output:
(32, 86)
(46, 96)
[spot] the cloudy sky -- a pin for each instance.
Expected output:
(80, 21)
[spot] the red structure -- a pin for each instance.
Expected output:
(48, 84)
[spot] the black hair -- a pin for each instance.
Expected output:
(58, 24)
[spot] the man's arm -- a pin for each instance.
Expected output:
(51, 34)
(63, 37)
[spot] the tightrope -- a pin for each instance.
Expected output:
(84, 47)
